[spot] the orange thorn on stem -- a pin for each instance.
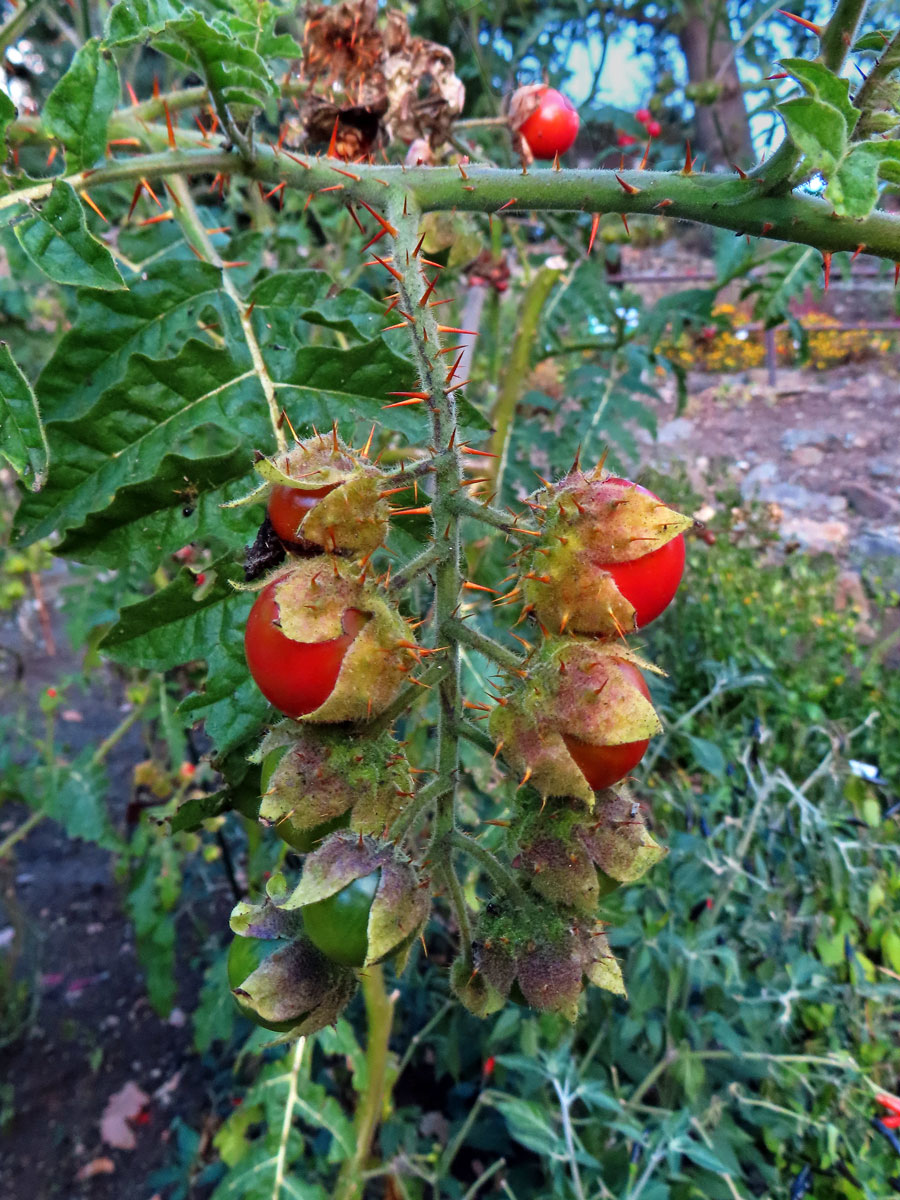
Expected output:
(427, 293)
(396, 274)
(688, 167)
(595, 225)
(132, 95)
(86, 198)
(169, 127)
(627, 187)
(385, 225)
(134, 199)
(816, 29)
(148, 188)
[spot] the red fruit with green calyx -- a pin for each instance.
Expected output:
(610, 557)
(581, 719)
(324, 645)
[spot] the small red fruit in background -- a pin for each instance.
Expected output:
(642, 115)
(654, 128)
(552, 127)
(297, 677)
(602, 766)
(648, 583)
(625, 139)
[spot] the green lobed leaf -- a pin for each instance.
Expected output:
(74, 794)
(289, 296)
(183, 623)
(23, 442)
(818, 129)
(135, 20)
(202, 402)
(111, 326)
(790, 270)
(56, 239)
(78, 109)
(179, 435)
(853, 188)
(876, 40)
(822, 84)
(259, 18)
(233, 70)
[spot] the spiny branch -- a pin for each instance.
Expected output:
(724, 201)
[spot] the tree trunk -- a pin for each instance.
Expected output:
(723, 131)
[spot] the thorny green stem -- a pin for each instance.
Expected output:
(507, 659)
(502, 877)
(840, 33)
(416, 566)
(380, 1015)
(476, 736)
(516, 371)
(430, 675)
(497, 518)
(723, 201)
(869, 95)
(405, 217)
(425, 797)
(195, 232)
(461, 912)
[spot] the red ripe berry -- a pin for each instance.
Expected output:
(625, 139)
(648, 583)
(553, 126)
(296, 677)
(654, 128)
(642, 115)
(288, 506)
(602, 766)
